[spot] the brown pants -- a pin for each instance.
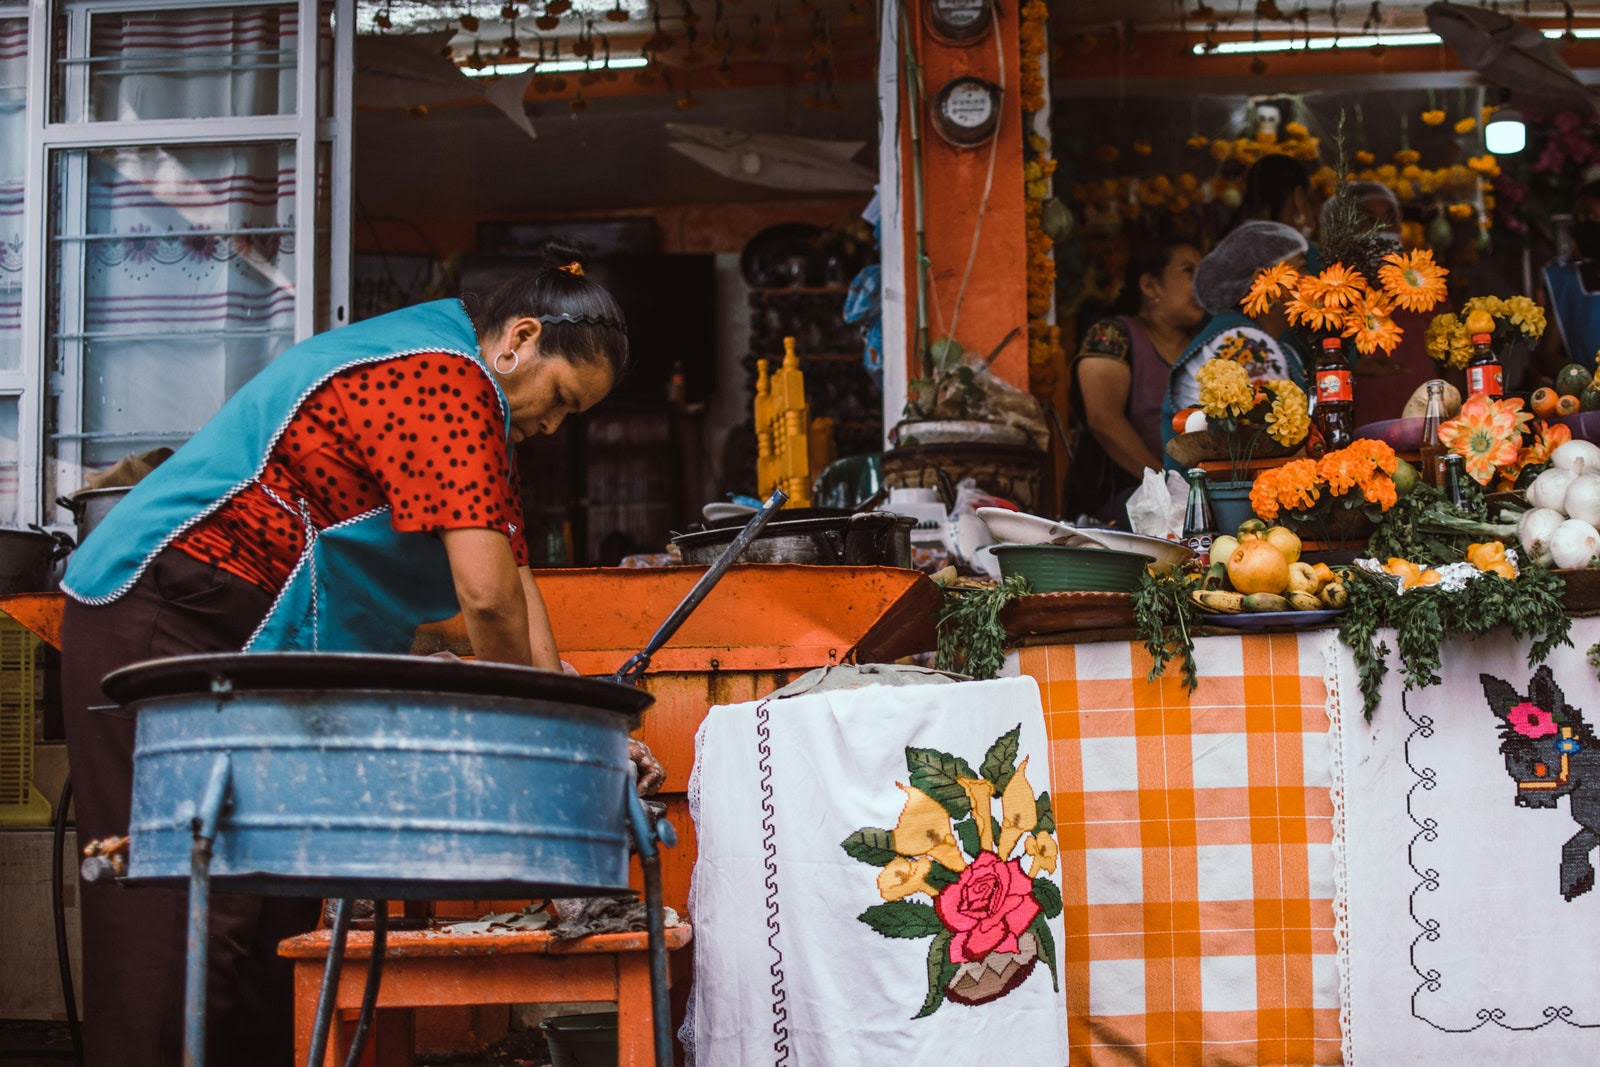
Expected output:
(134, 939)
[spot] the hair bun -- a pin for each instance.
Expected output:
(565, 257)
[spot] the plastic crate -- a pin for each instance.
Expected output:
(20, 803)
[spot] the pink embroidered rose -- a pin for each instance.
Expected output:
(1529, 720)
(988, 906)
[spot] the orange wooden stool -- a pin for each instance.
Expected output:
(435, 968)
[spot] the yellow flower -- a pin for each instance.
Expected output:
(1296, 129)
(1288, 422)
(1141, 148)
(1466, 125)
(979, 792)
(1221, 150)
(1371, 327)
(1043, 848)
(1407, 157)
(1460, 211)
(902, 876)
(1447, 342)
(1225, 389)
(1526, 316)
(1195, 143)
(1435, 117)
(1019, 810)
(1336, 287)
(1365, 158)
(924, 830)
(1413, 279)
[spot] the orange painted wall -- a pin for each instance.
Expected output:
(953, 185)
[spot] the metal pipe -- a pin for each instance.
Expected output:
(194, 983)
(330, 983)
(58, 908)
(369, 996)
(639, 662)
(644, 839)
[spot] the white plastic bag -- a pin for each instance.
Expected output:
(1157, 506)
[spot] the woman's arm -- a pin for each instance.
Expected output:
(493, 601)
(541, 639)
(1104, 385)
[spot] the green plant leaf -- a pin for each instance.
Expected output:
(1000, 762)
(1048, 896)
(947, 354)
(870, 844)
(903, 918)
(967, 834)
(940, 876)
(1040, 928)
(1047, 815)
(940, 971)
(935, 773)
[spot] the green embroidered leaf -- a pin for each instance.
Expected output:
(903, 918)
(1047, 816)
(1048, 896)
(1000, 762)
(935, 773)
(940, 876)
(967, 834)
(870, 844)
(1040, 928)
(940, 971)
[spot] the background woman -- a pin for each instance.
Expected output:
(1119, 378)
(1220, 283)
(361, 484)
(1277, 189)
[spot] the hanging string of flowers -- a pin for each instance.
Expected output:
(1046, 356)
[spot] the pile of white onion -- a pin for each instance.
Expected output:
(1563, 528)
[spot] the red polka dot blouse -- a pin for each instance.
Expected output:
(421, 434)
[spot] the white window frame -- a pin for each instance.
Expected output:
(304, 128)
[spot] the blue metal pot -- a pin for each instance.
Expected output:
(380, 776)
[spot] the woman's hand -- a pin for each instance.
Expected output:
(651, 773)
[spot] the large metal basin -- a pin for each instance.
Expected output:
(381, 776)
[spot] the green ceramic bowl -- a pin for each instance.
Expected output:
(1067, 569)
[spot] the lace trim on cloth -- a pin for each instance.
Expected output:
(1331, 656)
(686, 1031)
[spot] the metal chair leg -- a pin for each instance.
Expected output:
(194, 984)
(330, 983)
(645, 838)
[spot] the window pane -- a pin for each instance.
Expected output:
(13, 164)
(172, 284)
(9, 460)
(179, 64)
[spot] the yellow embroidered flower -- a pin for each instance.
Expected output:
(1019, 810)
(979, 792)
(1044, 850)
(1433, 117)
(1269, 284)
(924, 830)
(1413, 279)
(903, 876)
(1225, 389)
(1466, 125)
(1288, 422)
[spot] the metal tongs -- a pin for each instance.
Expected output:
(630, 672)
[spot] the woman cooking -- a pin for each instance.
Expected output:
(361, 484)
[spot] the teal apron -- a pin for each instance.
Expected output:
(360, 585)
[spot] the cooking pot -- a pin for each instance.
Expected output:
(870, 539)
(27, 558)
(381, 776)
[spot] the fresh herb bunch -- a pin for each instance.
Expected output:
(1166, 618)
(1529, 605)
(971, 639)
(1426, 528)
(1347, 233)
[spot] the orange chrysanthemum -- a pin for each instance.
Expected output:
(1310, 311)
(1485, 435)
(1370, 326)
(1264, 495)
(1269, 284)
(1297, 484)
(1376, 452)
(1336, 287)
(1413, 279)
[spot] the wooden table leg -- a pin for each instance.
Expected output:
(635, 1016)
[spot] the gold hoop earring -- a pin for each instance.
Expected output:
(516, 359)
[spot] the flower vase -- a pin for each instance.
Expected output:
(1230, 504)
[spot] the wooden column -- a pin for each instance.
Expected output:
(954, 181)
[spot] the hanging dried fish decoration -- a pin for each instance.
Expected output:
(583, 47)
(617, 13)
(550, 20)
(382, 19)
(508, 12)
(469, 22)
(558, 7)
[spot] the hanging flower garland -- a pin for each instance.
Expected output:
(1046, 357)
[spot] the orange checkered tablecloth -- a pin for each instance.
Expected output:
(1196, 848)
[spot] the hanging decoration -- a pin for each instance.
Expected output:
(1046, 356)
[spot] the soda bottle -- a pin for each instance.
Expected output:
(1433, 452)
(1199, 528)
(1334, 413)
(1484, 374)
(1455, 473)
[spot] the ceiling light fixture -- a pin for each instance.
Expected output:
(1364, 40)
(1505, 134)
(561, 66)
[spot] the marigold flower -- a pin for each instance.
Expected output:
(1407, 156)
(1296, 129)
(1434, 117)
(1225, 389)
(1484, 435)
(1460, 211)
(1142, 148)
(1336, 287)
(1269, 284)
(1466, 125)
(1526, 316)
(1195, 143)
(1413, 279)
(1264, 494)
(1365, 158)
(1288, 423)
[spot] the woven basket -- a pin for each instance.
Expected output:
(1012, 472)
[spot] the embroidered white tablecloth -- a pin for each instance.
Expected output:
(848, 906)
(1461, 945)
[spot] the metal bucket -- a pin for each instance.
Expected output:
(89, 506)
(381, 776)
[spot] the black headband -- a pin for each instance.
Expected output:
(583, 320)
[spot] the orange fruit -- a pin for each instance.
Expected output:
(1544, 402)
(1257, 567)
(1567, 405)
(1181, 417)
